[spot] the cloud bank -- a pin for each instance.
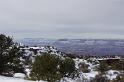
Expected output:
(62, 18)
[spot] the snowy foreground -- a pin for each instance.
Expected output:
(12, 79)
(90, 75)
(111, 74)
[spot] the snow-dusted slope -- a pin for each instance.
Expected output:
(39, 50)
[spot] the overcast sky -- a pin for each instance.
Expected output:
(62, 18)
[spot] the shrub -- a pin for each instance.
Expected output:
(9, 56)
(118, 66)
(119, 78)
(67, 67)
(84, 68)
(100, 78)
(103, 67)
(51, 68)
(45, 68)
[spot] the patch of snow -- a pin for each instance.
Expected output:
(90, 75)
(12, 79)
(19, 75)
(28, 72)
(112, 74)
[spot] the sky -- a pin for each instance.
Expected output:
(97, 19)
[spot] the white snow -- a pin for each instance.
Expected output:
(19, 75)
(28, 72)
(112, 74)
(90, 75)
(86, 76)
(12, 79)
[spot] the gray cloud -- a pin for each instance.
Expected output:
(62, 18)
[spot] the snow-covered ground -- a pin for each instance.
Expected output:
(12, 79)
(111, 74)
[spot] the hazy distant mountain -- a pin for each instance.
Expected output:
(80, 46)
